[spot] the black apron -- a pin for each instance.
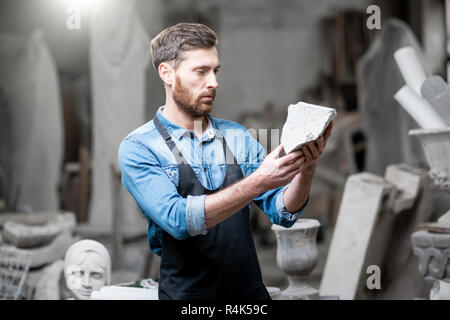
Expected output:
(221, 265)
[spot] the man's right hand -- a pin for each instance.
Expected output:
(275, 172)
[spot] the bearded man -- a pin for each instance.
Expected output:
(193, 177)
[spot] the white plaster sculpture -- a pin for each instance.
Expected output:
(419, 109)
(305, 123)
(87, 268)
(411, 68)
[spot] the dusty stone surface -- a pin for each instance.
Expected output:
(305, 122)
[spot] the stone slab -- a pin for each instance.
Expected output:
(360, 206)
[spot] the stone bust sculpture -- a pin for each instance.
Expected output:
(87, 267)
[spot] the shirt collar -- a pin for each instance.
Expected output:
(178, 132)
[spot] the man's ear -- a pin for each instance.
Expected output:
(166, 72)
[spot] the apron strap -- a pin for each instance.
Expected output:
(168, 139)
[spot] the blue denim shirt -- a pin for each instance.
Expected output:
(150, 174)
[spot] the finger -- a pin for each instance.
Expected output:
(315, 153)
(327, 132)
(289, 158)
(300, 155)
(296, 165)
(277, 151)
(307, 153)
(321, 144)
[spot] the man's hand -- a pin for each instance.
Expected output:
(275, 172)
(314, 149)
(297, 193)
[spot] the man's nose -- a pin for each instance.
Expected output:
(212, 81)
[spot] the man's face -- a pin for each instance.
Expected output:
(195, 84)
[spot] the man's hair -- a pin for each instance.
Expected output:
(170, 43)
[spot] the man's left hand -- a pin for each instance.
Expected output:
(314, 149)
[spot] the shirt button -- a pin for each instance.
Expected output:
(204, 169)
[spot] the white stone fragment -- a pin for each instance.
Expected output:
(305, 122)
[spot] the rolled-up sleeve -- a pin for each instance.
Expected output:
(155, 194)
(283, 212)
(195, 215)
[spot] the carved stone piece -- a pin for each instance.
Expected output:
(433, 252)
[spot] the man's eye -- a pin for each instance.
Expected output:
(216, 71)
(201, 72)
(77, 274)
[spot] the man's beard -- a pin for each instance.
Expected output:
(193, 106)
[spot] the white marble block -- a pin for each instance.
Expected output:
(305, 123)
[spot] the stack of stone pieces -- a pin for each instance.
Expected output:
(45, 237)
(305, 123)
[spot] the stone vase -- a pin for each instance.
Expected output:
(297, 256)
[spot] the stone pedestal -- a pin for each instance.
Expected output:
(297, 256)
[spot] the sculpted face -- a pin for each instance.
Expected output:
(87, 267)
(195, 84)
(86, 277)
